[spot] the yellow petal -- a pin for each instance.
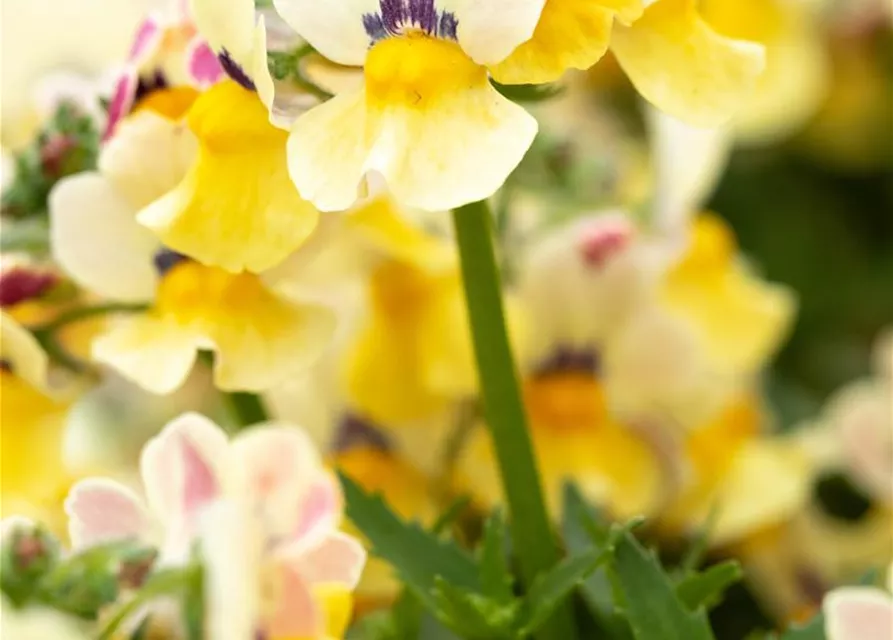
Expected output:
(570, 34)
(380, 223)
(154, 352)
(237, 208)
(574, 438)
(797, 75)
(684, 67)
(742, 318)
(337, 603)
(424, 105)
(21, 353)
(414, 355)
(260, 338)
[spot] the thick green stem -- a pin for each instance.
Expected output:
(534, 542)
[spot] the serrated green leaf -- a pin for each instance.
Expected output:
(550, 589)
(584, 527)
(417, 556)
(652, 606)
(496, 579)
(473, 615)
(705, 589)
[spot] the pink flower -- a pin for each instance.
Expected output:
(858, 613)
(263, 508)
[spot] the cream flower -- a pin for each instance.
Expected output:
(260, 337)
(38, 624)
(426, 118)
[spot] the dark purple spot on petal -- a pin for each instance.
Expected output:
(5, 365)
(355, 431)
(569, 359)
(150, 83)
(165, 260)
(235, 71)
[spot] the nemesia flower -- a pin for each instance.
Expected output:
(425, 102)
(797, 75)
(166, 51)
(412, 356)
(38, 624)
(267, 515)
(259, 336)
(683, 66)
(859, 613)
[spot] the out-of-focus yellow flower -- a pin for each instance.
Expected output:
(796, 79)
(575, 438)
(259, 335)
(236, 208)
(413, 355)
(741, 318)
(33, 477)
(406, 491)
(679, 63)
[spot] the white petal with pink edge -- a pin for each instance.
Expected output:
(858, 613)
(101, 510)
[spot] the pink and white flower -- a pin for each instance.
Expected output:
(263, 509)
(859, 613)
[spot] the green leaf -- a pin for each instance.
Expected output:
(496, 579)
(653, 608)
(583, 526)
(529, 92)
(705, 589)
(472, 615)
(551, 589)
(813, 630)
(418, 556)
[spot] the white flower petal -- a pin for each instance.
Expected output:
(334, 27)
(858, 613)
(97, 241)
(101, 511)
(489, 30)
(338, 558)
(226, 26)
(22, 352)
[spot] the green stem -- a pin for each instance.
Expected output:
(246, 408)
(534, 542)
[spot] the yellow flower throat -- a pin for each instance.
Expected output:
(414, 69)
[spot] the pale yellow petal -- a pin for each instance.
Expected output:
(237, 208)
(155, 353)
(741, 318)
(571, 34)
(684, 67)
(21, 352)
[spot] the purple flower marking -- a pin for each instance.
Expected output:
(165, 260)
(355, 431)
(398, 16)
(570, 359)
(235, 71)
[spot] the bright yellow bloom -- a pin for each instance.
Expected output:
(236, 208)
(796, 79)
(682, 66)
(741, 318)
(575, 438)
(260, 336)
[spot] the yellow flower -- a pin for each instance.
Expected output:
(236, 207)
(571, 34)
(426, 100)
(575, 438)
(259, 335)
(741, 318)
(33, 477)
(412, 357)
(796, 79)
(683, 66)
